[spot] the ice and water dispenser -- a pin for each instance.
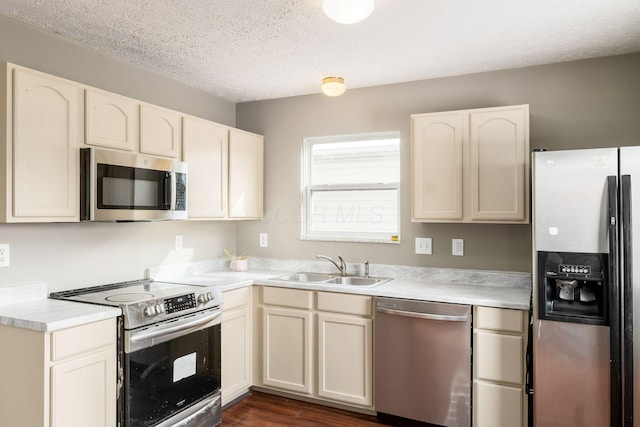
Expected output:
(573, 287)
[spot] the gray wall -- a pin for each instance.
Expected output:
(43, 51)
(582, 104)
(74, 255)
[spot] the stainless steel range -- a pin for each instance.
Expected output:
(169, 351)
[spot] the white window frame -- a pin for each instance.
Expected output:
(307, 190)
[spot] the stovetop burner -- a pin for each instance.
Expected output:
(145, 301)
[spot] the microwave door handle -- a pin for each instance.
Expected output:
(169, 191)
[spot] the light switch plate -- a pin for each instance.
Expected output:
(423, 246)
(457, 247)
(4, 255)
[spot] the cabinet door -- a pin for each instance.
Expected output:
(160, 131)
(111, 120)
(237, 353)
(437, 144)
(496, 405)
(286, 346)
(499, 164)
(246, 160)
(498, 357)
(83, 391)
(45, 186)
(345, 355)
(205, 149)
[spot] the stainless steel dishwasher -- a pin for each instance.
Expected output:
(423, 361)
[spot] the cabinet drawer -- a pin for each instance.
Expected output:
(287, 297)
(236, 298)
(498, 357)
(82, 339)
(499, 319)
(341, 303)
(496, 405)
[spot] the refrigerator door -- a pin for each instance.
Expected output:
(570, 206)
(571, 375)
(630, 180)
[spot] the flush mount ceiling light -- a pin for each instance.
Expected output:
(348, 11)
(333, 86)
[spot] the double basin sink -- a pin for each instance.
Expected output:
(332, 279)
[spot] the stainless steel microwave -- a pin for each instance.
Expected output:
(131, 187)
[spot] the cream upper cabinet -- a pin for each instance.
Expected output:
(471, 166)
(246, 178)
(499, 346)
(65, 378)
(160, 131)
(40, 149)
(499, 163)
(437, 166)
(206, 150)
(111, 121)
(237, 348)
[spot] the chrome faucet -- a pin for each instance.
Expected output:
(342, 267)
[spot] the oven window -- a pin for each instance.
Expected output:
(166, 378)
(122, 187)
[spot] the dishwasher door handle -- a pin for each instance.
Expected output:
(427, 316)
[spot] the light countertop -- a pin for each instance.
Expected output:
(27, 306)
(487, 293)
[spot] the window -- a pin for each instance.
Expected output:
(351, 188)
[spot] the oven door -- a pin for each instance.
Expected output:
(172, 372)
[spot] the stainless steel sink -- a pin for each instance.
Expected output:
(306, 277)
(332, 279)
(346, 280)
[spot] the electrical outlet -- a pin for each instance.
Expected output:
(457, 247)
(4, 255)
(264, 241)
(179, 241)
(423, 245)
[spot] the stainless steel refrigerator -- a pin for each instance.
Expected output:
(585, 294)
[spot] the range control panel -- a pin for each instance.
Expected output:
(574, 269)
(180, 303)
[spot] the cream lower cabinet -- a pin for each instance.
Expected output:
(318, 345)
(499, 346)
(345, 348)
(471, 166)
(65, 378)
(237, 343)
(287, 339)
(40, 123)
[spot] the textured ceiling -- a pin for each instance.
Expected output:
(245, 50)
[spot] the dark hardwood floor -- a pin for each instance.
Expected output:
(265, 410)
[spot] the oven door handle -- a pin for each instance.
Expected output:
(160, 334)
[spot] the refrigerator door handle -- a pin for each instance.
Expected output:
(615, 354)
(627, 300)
